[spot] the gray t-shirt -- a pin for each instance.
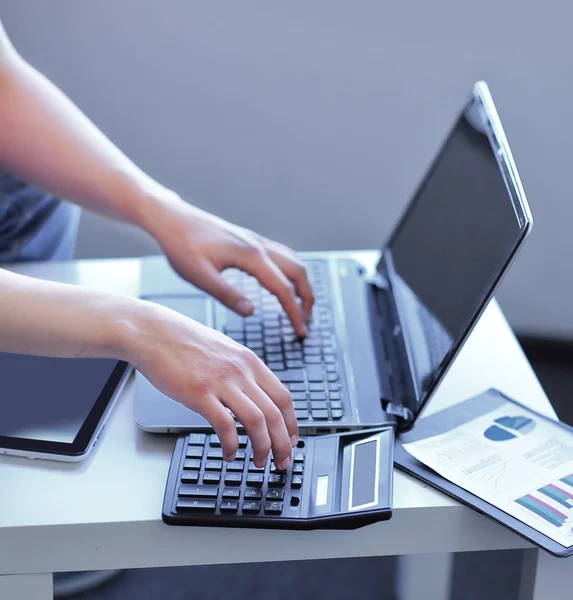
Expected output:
(34, 225)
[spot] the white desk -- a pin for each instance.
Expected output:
(106, 513)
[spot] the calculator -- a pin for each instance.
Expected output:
(337, 481)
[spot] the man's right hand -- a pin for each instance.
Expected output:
(210, 373)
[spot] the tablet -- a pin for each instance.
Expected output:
(55, 408)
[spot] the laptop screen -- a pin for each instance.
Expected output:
(452, 245)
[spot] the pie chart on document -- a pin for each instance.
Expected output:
(509, 428)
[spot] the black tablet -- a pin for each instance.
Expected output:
(55, 408)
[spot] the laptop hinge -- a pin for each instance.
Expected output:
(399, 411)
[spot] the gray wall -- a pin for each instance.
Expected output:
(312, 122)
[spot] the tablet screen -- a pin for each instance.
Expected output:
(54, 404)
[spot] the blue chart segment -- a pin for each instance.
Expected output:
(508, 428)
(543, 510)
(558, 494)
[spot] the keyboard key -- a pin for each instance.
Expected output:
(194, 452)
(316, 387)
(273, 507)
(336, 405)
(243, 441)
(314, 373)
(320, 415)
(298, 457)
(213, 465)
(297, 387)
(337, 413)
(198, 491)
(300, 404)
(212, 477)
(294, 375)
(214, 441)
(251, 506)
(296, 481)
(216, 453)
(255, 479)
(192, 463)
(190, 477)
(253, 494)
(231, 493)
(189, 504)
(276, 366)
(233, 478)
(298, 396)
(275, 494)
(229, 506)
(297, 468)
(301, 415)
(318, 405)
(277, 479)
(318, 396)
(197, 439)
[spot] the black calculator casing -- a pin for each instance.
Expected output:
(353, 467)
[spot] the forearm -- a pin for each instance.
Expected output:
(52, 319)
(46, 140)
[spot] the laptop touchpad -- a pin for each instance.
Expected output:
(198, 308)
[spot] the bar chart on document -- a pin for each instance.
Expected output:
(552, 503)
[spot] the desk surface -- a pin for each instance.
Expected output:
(106, 512)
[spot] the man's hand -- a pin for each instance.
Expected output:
(211, 374)
(199, 246)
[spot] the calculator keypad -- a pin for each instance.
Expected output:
(209, 485)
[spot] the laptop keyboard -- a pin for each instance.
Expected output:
(309, 368)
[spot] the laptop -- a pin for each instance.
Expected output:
(381, 339)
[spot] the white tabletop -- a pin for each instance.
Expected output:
(106, 512)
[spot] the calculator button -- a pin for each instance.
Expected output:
(229, 506)
(276, 366)
(336, 405)
(297, 468)
(243, 440)
(215, 453)
(212, 477)
(240, 455)
(214, 441)
(337, 413)
(311, 359)
(297, 387)
(275, 469)
(320, 415)
(277, 479)
(273, 507)
(298, 457)
(192, 463)
(318, 405)
(253, 494)
(298, 405)
(334, 386)
(198, 491)
(318, 396)
(190, 477)
(197, 439)
(298, 396)
(233, 478)
(213, 465)
(196, 504)
(331, 368)
(335, 395)
(235, 466)
(316, 387)
(255, 479)
(251, 506)
(301, 414)
(275, 494)
(294, 375)
(294, 364)
(231, 494)
(194, 452)
(254, 469)
(332, 377)
(314, 373)
(296, 481)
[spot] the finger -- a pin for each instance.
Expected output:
(278, 394)
(289, 264)
(211, 281)
(274, 280)
(224, 425)
(280, 439)
(253, 420)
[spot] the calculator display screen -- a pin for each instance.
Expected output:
(364, 474)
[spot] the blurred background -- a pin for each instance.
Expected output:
(312, 123)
